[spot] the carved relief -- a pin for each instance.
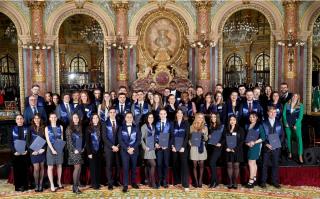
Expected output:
(162, 51)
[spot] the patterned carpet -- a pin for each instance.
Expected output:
(172, 192)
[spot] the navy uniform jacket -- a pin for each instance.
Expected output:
(62, 113)
(137, 114)
(133, 140)
(168, 128)
(120, 116)
(93, 141)
(17, 133)
(181, 131)
(28, 114)
(228, 111)
(109, 137)
(278, 107)
(244, 112)
(277, 128)
(40, 101)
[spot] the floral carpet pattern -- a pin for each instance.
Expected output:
(221, 192)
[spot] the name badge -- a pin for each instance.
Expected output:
(234, 133)
(86, 109)
(219, 107)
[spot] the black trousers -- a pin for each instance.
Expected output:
(20, 171)
(129, 162)
(112, 159)
(95, 169)
(214, 156)
(271, 158)
(163, 157)
(180, 168)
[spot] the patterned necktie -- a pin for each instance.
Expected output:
(35, 110)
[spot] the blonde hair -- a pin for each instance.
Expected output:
(197, 124)
(297, 105)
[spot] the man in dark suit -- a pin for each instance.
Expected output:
(163, 153)
(122, 107)
(32, 109)
(285, 95)
(64, 111)
(140, 109)
(111, 148)
(35, 89)
(129, 138)
(271, 126)
(174, 91)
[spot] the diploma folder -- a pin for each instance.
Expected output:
(59, 145)
(274, 140)
(178, 142)
(20, 146)
(164, 140)
(150, 142)
(215, 137)
(252, 135)
(196, 139)
(231, 141)
(78, 144)
(37, 144)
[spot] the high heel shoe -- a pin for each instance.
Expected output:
(75, 189)
(250, 184)
(300, 160)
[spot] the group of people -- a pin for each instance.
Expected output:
(158, 128)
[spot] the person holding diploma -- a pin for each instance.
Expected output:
(129, 138)
(271, 126)
(37, 157)
(216, 129)
(255, 136)
(164, 126)
(20, 159)
(198, 154)
(94, 147)
(111, 148)
(179, 150)
(234, 155)
(148, 132)
(292, 118)
(74, 137)
(53, 134)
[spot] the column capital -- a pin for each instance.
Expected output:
(290, 3)
(118, 5)
(35, 4)
(202, 4)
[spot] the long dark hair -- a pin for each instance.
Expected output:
(34, 126)
(73, 127)
(146, 119)
(218, 121)
(177, 110)
(236, 126)
(91, 126)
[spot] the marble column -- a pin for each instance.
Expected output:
(37, 37)
(203, 30)
(291, 8)
(121, 10)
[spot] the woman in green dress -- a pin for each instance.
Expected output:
(254, 143)
(292, 118)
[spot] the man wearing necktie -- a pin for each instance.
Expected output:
(140, 109)
(111, 148)
(33, 109)
(163, 153)
(64, 111)
(248, 106)
(122, 107)
(129, 138)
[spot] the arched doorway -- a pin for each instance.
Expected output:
(81, 43)
(316, 66)
(9, 67)
(247, 34)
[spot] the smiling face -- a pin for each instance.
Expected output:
(75, 119)
(19, 120)
(95, 120)
(129, 118)
(150, 119)
(253, 118)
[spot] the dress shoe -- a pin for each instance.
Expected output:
(21, 189)
(165, 185)
(276, 185)
(263, 185)
(200, 185)
(234, 186)
(230, 186)
(213, 185)
(135, 186)
(125, 189)
(117, 184)
(36, 189)
(110, 187)
(60, 187)
(40, 188)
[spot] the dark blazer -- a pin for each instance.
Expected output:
(40, 101)
(126, 141)
(62, 114)
(186, 127)
(127, 108)
(108, 137)
(28, 114)
(284, 100)
(89, 144)
(244, 112)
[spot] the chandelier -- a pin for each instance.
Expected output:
(316, 32)
(93, 34)
(291, 43)
(11, 33)
(240, 30)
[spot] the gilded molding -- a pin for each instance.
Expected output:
(118, 5)
(202, 4)
(36, 4)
